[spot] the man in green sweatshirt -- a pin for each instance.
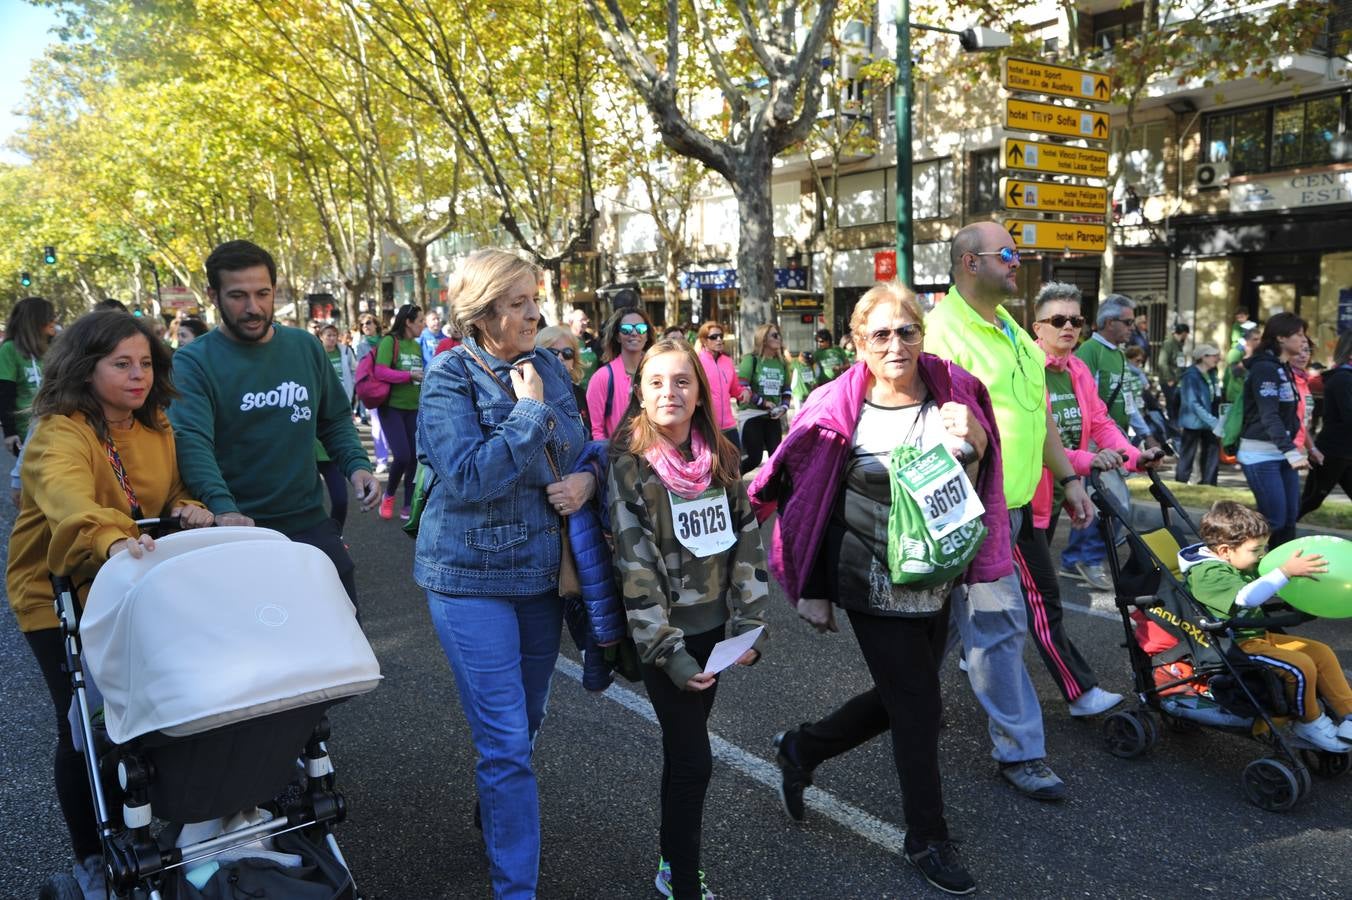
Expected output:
(254, 397)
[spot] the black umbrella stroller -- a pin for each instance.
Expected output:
(202, 674)
(1187, 668)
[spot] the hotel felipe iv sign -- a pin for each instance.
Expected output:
(1291, 191)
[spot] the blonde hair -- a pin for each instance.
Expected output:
(551, 334)
(484, 276)
(637, 435)
(758, 341)
(893, 293)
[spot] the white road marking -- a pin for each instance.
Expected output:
(867, 826)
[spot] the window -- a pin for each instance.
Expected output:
(984, 181)
(1280, 135)
(934, 189)
(1143, 160)
(1109, 37)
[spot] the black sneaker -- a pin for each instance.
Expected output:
(940, 865)
(796, 778)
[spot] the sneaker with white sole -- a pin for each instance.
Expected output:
(1322, 733)
(1094, 701)
(1034, 778)
(663, 881)
(1345, 730)
(1095, 576)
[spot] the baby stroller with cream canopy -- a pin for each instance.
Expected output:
(201, 675)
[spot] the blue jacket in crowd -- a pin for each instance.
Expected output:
(1196, 395)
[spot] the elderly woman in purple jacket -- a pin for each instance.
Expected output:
(829, 482)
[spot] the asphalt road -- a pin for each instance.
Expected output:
(1171, 824)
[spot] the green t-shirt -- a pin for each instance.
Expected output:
(336, 360)
(830, 363)
(768, 377)
(27, 375)
(402, 396)
(588, 359)
(1065, 408)
(1013, 367)
(804, 380)
(1215, 584)
(1109, 367)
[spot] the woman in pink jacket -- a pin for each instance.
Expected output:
(721, 371)
(1083, 420)
(626, 335)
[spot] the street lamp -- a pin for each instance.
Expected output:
(972, 39)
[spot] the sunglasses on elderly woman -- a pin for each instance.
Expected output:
(639, 328)
(1062, 321)
(564, 353)
(882, 338)
(715, 336)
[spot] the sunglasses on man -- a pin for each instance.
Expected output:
(1006, 254)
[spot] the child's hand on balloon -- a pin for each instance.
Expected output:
(1300, 565)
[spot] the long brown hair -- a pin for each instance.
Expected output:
(28, 321)
(70, 367)
(637, 435)
(610, 333)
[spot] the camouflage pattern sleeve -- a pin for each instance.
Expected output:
(748, 580)
(641, 573)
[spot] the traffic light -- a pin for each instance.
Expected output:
(25, 279)
(49, 255)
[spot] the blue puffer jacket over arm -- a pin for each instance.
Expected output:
(586, 532)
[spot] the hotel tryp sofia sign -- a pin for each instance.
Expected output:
(1291, 190)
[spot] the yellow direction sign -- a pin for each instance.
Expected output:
(1067, 198)
(1063, 236)
(1062, 81)
(1035, 156)
(1026, 115)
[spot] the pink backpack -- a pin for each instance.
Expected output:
(370, 390)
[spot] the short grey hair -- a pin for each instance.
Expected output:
(1053, 291)
(1112, 307)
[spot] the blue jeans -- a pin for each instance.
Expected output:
(502, 651)
(1276, 491)
(1085, 545)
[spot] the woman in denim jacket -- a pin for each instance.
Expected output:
(489, 540)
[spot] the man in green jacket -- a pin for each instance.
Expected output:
(254, 397)
(1170, 362)
(1102, 353)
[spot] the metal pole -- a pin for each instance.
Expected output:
(905, 268)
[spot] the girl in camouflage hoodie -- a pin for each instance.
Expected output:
(690, 565)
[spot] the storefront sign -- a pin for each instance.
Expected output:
(792, 278)
(1058, 159)
(712, 279)
(1291, 191)
(177, 298)
(1041, 78)
(1063, 236)
(1047, 118)
(885, 265)
(1069, 198)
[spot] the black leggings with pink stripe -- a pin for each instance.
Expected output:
(1042, 598)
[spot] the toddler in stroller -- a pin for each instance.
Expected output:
(1188, 665)
(213, 715)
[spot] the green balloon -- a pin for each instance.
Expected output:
(1331, 596)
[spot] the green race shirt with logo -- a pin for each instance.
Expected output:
(27, 376)
(768, 377)
(405, 395)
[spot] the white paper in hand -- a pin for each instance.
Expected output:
(727, 652)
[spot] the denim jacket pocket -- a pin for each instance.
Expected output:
(497, 537)
(493, 413)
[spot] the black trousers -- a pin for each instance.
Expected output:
(760, 437)
(902, 655)
(328, 538)
(1335, 471)
(1202, 445)
(687, 764)
(68, 767)
(1042, 600)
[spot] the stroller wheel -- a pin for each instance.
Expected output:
(61, 886)
(1128, 734)
(1272, 784)
(1327, 765)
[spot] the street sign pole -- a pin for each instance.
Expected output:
(905, 267)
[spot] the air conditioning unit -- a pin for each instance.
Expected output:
(1212, 175)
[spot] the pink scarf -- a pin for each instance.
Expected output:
(684, 478)
(1054, 362)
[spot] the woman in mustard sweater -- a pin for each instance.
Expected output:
(101, 455)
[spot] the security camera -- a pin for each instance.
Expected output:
(979, 37)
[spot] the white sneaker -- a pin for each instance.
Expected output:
(89, 875)
(1094, 701)
(1095, 576)
(1321, 733)
(1345, 730)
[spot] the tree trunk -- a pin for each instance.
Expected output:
(351, 297)
(671, 287)
(552, 307)
(756, 247)
(419, 251)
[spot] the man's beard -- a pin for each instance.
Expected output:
(231, 324)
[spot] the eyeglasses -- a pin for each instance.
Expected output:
(640, 328)
(564, 353)
(1006, 254)
(715, 337)
(882, 339)
(1063, 321)
(1127, 321)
